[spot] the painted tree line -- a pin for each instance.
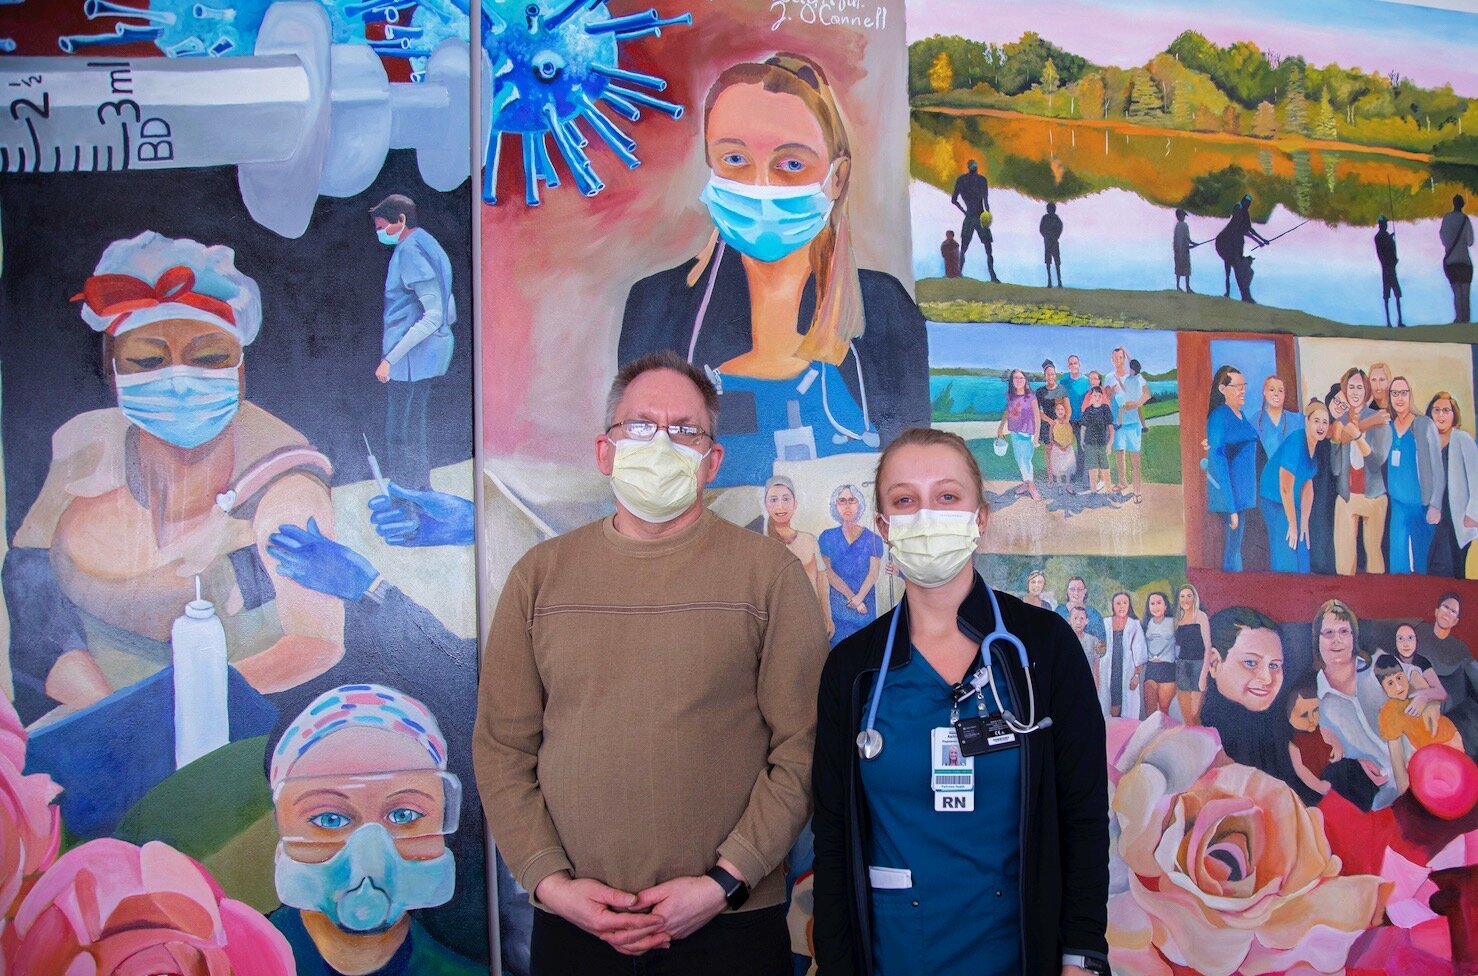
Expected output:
(1195, 85)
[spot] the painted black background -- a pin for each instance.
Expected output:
(313, 363)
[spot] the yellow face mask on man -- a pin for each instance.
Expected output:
(656, 480)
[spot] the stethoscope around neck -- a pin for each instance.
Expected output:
(870, 740)
(869, 434)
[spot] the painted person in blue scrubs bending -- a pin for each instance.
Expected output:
(961, 819)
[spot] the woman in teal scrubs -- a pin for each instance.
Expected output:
(938, 850)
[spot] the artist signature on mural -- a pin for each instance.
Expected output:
(829, 13)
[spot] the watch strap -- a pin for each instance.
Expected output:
(736, 892)
(1093, 964)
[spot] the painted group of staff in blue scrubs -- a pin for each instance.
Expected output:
(959, 776)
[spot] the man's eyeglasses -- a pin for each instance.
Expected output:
(687, 435)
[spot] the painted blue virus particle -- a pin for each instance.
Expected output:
(407, 29)
(553, 66)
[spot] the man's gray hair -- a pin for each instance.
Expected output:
(663, 359)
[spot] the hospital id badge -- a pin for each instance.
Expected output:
(982, 736)
(953, 776)
(1396, 458)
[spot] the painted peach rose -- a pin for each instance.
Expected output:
(30, 827)
(108, 908)
(1229, 874)
(1179, 753)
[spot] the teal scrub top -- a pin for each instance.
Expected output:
(962, 915)
(1402, 481)
(419, 954)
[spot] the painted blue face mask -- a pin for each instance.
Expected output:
(389, 237)
(181, 405)
(367, 886)
(767, 222)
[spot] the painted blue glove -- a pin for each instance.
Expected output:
(406, 517)
(308, 557)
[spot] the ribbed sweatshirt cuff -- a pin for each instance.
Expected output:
(549, 861)
(745, 858)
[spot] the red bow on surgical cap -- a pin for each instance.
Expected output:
(119, 294)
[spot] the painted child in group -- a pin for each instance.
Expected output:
(1312, 748)
(1093, 648)
(1062, 447)
(1427, 692)
(1397, 723)
(1098, 439)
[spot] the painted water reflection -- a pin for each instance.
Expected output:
(1117, 206)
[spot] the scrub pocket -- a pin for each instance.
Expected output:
(895, 913)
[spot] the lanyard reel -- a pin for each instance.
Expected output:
(870, 740)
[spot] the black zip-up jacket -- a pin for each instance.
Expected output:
(1064, 818)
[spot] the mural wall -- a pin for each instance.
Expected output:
(236, 356)
(1188, 465)
(646, 249)
(236, 412)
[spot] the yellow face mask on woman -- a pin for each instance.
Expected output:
(932, 546)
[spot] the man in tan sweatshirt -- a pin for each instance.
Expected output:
(647, 708)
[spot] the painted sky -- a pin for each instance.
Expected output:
(995, 346)
(1432, 47)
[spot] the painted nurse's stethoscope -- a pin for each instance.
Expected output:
(762, 421)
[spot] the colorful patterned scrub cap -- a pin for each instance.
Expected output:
(350, 706)
(151, 277)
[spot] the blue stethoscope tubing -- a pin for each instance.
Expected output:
(870, 740)
(869, 436)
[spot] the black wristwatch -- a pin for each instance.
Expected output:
(736, 892)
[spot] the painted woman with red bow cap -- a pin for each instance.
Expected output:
(182, 479)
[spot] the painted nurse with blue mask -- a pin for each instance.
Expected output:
(814, 357)
(184, 479)
(363, 805)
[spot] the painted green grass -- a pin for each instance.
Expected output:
(969, 300)
(1159, 462)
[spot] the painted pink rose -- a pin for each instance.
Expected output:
(30, 827)
(109, 908)
(1230, 874)
(1180, 754)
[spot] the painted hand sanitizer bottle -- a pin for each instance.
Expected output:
(198, 642)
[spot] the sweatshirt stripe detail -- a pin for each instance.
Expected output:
(660, 608)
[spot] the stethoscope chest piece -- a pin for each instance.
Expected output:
(869, 743)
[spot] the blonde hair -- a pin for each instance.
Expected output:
(1195, 600)
(928, 437)
(838, 317)
(1339, 610)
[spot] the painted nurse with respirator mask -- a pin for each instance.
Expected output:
(363, 806)
(813, 356)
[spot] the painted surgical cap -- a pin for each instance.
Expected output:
(356, 706)
(151, 277)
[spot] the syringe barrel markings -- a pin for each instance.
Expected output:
(83, 114)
